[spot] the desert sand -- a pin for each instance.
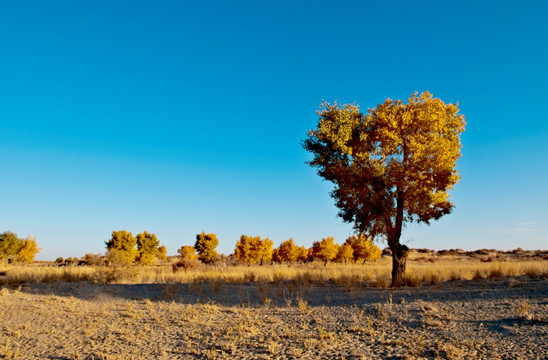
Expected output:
(502, 318)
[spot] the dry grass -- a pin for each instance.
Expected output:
(89, 321)
(420, 270)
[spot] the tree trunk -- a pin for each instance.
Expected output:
(399, 262)
(399, 251)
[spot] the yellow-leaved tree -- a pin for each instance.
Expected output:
(205, 247)
(287, 252)
(363, 248)
(147, 246)
(345, 253)
(394, 164)
(187, 252)
(325, 250)
(162, 253)
(253, 250)
(28, 248)
(121, 248)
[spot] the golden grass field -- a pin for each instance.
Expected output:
(421, 269)
(454, 307)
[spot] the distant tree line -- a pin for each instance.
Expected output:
(124, 249)
(14, 249)
(254, 250)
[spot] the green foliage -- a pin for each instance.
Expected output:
(205, 247)
(121, 248)
(147, 245)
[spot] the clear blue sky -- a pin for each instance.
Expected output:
(179, 116)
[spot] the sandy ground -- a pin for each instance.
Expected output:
(486, 319)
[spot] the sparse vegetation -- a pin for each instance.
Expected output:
(422, 270)
(199, 320)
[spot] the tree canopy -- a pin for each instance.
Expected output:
(14, 249)
(325, 250)
(395, 164)
(121, 248)
(147, 246)
(205, 247)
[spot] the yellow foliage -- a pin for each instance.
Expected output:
(394, 164)
(288, 252)
(147, 245)
(253, 250)
(187, 253)
(28, 250)
(162, 253)
(205, 247)
(325, 250)
(345, 253)
(121, 248)
(363, 248)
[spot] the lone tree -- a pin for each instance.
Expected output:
(393, 165)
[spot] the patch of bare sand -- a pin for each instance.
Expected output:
(505, 318)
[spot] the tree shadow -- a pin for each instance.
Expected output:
(287, 293)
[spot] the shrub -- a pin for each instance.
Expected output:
(187, 253)
(161, 255)
(186, 264)
(93, 259)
